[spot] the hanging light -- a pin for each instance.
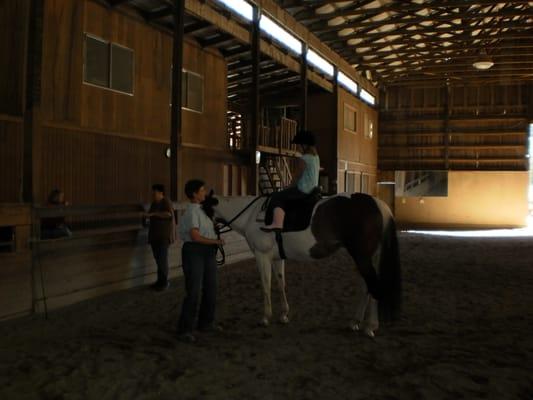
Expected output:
(483, 62)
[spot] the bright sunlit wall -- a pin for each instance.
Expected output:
(484, 199)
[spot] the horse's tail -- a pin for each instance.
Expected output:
(390, 276)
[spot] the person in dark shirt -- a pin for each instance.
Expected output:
(55, 227)
(161, 233)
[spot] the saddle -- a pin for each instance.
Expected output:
(298, 211)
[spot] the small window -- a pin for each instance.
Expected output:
(96, 69)
(350, 119)
(351, 182)
(195, 92)
(365, 183)
(121, 69)
(108, 65)
(192, 91)
(369, 127)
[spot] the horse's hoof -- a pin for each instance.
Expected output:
(369, 333)
(354, 326)
(264, 322)
(284, 319)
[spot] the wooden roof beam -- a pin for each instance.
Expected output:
(403, 30)
(407, 7)
(442, 52)
(204, 11)
(408, 41)
(161, 13)
(443, 18)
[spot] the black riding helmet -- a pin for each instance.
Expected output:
(304, 138)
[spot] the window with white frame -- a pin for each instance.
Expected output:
(365, 183)
(108, 65)
(351, 182)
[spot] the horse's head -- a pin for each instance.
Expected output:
(217, 214)
(226, 209)
(209, 204)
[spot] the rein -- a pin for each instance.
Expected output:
(227, 224)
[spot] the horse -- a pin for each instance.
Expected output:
(360, 223)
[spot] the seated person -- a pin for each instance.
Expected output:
(55, 227)
(305, 180)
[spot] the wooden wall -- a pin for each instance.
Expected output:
(478, 133)
(484, 199)
(112, 141)
(14, 16)
(466, 128)
(340, 150)
(357, 153)
(322, 121)
(100, 168)
(11, 155)
(15, 267)
(100, 147)
(13, 37)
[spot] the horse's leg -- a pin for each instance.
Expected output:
(264, 265)
(366, 270)
(361, 302)
(371, 320)
(371, 323)
(279, 272)
(366, 309)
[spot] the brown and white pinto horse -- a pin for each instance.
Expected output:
(362, 224)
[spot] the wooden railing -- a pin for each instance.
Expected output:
(278, 139)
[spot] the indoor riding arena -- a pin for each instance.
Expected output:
(266, 199)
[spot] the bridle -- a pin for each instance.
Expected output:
(226, 227)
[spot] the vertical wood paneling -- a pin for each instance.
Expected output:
(357, 153)
(13, 42)
(85, 148)
(11, 149)
(62, 60)
(93, 168)
(486, 129)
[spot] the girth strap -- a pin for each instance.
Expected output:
(281, 249)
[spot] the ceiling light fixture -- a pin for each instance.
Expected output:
(483, 62)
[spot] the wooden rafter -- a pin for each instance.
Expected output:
(394, 40)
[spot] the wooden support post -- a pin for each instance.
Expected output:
(31, 190)
(304, 87)
(175, 118)
(447, 114)
(333, 189)
(255, 109)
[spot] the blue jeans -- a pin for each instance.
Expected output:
(200, 272)
(160, 251)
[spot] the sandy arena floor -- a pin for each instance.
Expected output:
(466, 333)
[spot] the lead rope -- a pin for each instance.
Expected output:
(221, 260)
